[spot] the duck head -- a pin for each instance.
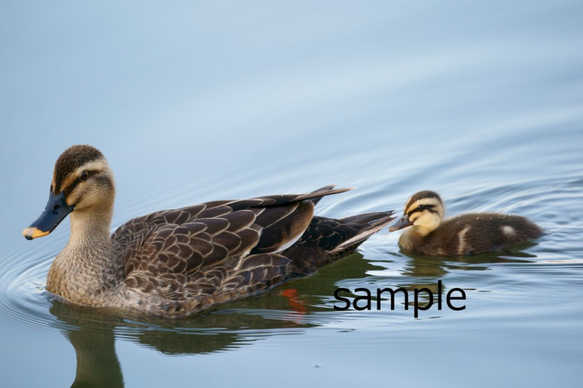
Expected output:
(423, 211)
(82, 184)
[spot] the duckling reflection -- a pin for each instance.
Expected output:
(467, 234)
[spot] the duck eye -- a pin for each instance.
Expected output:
(84, 175)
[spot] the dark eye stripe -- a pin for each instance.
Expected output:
(422, 208)
(85, 176)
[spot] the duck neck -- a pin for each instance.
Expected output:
(86, 270)
(421, 231)
(410, 239)
(91, 228)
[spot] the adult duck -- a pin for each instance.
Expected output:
(174, 263)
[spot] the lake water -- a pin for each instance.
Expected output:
(482, 102)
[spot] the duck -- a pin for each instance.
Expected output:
(179, 262)
(467, 234)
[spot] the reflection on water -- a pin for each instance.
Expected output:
(435, 266)
(285, 311)
(288, 310)
(97, 363)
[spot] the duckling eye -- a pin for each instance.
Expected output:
(420, 208)
(84, 175)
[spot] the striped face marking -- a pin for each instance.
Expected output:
(70, 164)
(83, 177)
(425, 211)
(80, 174)
(71, 182)
(424, 202)
(417, 209)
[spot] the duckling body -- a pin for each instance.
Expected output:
(178, 262)
(466, 234)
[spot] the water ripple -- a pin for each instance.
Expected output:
(22, 286)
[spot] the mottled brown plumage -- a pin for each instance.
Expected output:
(174, 263)
(466, 234)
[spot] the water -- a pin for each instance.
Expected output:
(480, 102)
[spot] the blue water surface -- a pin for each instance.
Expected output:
(197, 101)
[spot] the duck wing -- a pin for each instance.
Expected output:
(228, 242)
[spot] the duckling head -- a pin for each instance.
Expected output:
(82, 184)
(424, 211)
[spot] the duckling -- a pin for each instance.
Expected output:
(465, 234)
(174, 263)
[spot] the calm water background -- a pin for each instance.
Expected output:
(482, 102)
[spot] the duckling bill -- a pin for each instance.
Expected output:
(174, 263)
(468, 234)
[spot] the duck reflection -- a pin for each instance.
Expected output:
(93, 337)
(285, 310)
(97, 363)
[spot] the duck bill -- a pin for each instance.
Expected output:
(401, 223)
(55, 212)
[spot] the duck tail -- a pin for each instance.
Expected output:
(363, 226)
(327, 240)
(316, 195)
